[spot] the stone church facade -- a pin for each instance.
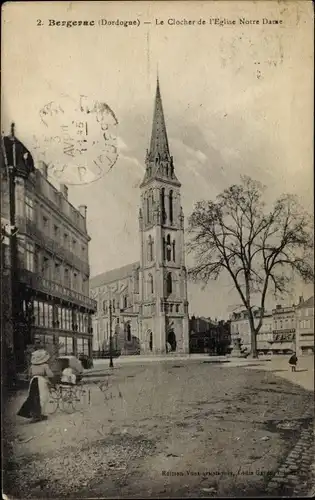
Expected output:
(149, 298)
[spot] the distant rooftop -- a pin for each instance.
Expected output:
(113, 275)
(307, 303)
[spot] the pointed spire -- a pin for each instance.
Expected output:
(159, 142)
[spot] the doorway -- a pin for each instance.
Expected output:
(171, 339)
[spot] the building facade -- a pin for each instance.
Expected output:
(154, 289)
(208, 336)
(305, 327)
(53, 306)
(240, 329)
(284, 328)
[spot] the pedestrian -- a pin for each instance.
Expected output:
(38, 393)
(293, 362)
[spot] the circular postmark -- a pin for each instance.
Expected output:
(78, 140)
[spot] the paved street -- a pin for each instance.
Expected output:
(177, 427)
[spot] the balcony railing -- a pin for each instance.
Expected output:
(38, 282)
(52, 245)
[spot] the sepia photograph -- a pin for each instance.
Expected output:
(157, 249)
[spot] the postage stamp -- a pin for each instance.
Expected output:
(78, 140)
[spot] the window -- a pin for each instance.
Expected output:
(151, 284)
(45, 223)
(148, 208)
(30, 257)
(75, 281)
(169, 284)
(50, 316)
(66, 278)
(171, 206)
(168, 248)
(45, 267)
(66, 240)
(74, 246)
(150, 249)
(162, 202)
(57, 271)
(125, 302)
(29, 208)
(128, 331)
(79, 345)
(177, 308)
(69, 345)
(173, 246)
(105, 307)
(114, 305)
(85, 346)
(117, 321)
(164, 248)
(83, 250)
(56, 232)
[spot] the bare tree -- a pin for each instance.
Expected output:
(258, 248)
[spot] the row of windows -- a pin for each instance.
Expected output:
(52, 270)
(287, 323)
(65, 344)
(123, 304)
(168, 249)
(65, 320)
(54, 230)
(306, 323)
(149, 206)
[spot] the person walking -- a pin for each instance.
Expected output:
(38, 393)
(293, 362)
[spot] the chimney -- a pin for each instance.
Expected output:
(43, 168)
(301, 299)
(64, 190)
(83, 210)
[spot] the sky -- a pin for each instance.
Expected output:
(237, 100)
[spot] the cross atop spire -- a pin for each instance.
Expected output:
(159, 142)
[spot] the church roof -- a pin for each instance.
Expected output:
(113, 275)
(159, 162)
(159, 142)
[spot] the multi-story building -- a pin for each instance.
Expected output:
(151, 295)
(52, 303)
(284, 327)
(305, 326)
(209, 336)
(240, 328)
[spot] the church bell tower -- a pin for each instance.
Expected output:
(162, 276)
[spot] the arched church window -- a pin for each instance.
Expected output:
(151, 284)
(169, 283)
(171, 206)
(173, 245)
(125, 302)
(164, 248)
(168, 248)
(148, 207)
(150, 249)
(163, 205)
(166, 170)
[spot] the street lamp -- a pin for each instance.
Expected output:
(111, 364)
(18, 163)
